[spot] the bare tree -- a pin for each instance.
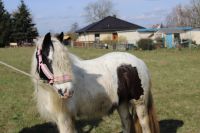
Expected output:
(74, 27)
(185, 15)
(98, 10)
(72, 32)
(195, 12)
(179, 16)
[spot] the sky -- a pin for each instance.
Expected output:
(58, 15)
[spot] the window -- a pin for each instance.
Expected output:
(97, 37)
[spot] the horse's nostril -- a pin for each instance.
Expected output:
(60, 92)
(72, 92)
(65, 91)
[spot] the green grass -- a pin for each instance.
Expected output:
(176, 91)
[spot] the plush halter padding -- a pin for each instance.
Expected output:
(62, 79)
(51, 78)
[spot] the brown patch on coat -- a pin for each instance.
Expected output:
(129, 83)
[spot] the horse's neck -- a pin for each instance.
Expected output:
(75, 62)
(74, 59)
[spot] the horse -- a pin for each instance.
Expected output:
(67, 87)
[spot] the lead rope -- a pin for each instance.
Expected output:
(22, 72)
(16, 69)
(25, 73)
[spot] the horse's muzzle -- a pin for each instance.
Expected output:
(66, 94)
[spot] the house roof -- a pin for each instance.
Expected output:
(174, 30)
(110, 24)
(166, 30)
(170, 31)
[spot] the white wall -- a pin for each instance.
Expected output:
(104, 36)
(86, 37)
(131, 36)
(194, 35)
(91, 36)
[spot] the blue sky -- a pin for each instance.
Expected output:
(59, 15)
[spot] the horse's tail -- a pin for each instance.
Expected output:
(153, 122)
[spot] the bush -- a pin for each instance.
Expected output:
(113, 43)
(107, 40)
(146, 44)
(159, 43)
(122, 40)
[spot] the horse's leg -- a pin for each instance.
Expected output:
(142, 114)
(126, 118)
(130, 86)
(65, 124)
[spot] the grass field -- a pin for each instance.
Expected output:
(176, 91)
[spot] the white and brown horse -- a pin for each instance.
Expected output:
(91, 88)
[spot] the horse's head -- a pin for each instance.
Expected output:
(53, 64)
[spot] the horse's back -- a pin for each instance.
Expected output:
(109, 63)
(106, 67)
(98, 78)
(115, 59)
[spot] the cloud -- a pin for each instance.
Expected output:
(56, 23)
(148, 18)
(154, 14)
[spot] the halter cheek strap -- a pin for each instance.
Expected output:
(51, 78)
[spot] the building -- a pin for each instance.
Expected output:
(193, 34)
(112, 29)
(67, 40)
(109, 28)
(171, 36)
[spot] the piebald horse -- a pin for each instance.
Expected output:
(72, 88)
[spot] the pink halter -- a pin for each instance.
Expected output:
(52, 79)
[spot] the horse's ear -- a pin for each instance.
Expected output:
(47, 43)
(47, 38)
(60, 37)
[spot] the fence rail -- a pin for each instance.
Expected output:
(101, 45)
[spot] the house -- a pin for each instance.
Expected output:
(109, 28)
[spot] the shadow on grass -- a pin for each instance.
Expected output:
(86, 126)
(41, 128)
(170, 126)
(83, 126)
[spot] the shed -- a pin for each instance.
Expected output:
(170, 35)
(67, 40)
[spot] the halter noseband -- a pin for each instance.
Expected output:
(51, 78)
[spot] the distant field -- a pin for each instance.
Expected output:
(176, 91)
